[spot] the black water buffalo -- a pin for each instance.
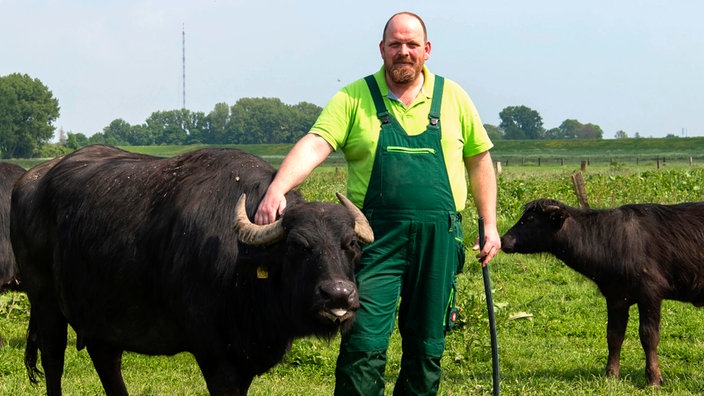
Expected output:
(9, 173)
(636, 254)
(140, 253)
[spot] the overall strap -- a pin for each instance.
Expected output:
(434, 115)
(381, 110)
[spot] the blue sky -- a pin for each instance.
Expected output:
(631, 65)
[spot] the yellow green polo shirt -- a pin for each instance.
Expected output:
(349, 122)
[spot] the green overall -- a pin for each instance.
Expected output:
(416, 254)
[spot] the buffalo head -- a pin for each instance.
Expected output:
(317, 245)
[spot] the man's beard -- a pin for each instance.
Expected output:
(403, 73)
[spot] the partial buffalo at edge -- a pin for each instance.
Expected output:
(9, 280)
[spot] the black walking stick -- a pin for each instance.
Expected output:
(490, 309)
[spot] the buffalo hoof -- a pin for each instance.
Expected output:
(654, 379)
(612, 372)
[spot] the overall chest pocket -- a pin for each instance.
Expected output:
(411, 177)
(410, 150)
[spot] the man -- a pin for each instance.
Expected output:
(408, 136)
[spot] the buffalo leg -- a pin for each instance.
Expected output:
(224, 379)
(107, 362)
(51, 332)
(615, 333)
(649, 331)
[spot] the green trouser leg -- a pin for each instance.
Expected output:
(409, 264)
(419, 376)
(360, 373)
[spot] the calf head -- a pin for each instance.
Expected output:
(535, 230)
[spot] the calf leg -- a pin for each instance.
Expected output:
(107, 362)
(615, 332)
(649, 331)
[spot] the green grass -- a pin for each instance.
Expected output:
(630, 151)
(566, 153)
(556, 347)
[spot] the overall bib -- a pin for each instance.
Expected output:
(416, 254)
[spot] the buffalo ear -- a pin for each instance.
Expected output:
(556, 213)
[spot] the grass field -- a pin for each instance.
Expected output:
(551, 321)
(565, 153)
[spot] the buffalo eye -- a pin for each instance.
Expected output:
(353, 247)
(351, 244)
(529, 218)
(298, 243)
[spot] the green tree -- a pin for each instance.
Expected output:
(591, 131)
(140, 135)
(97, 138)
(260, 120)
(621, 134)
(51, 150)
(521, 122)
(249, 120)
(167, 127)
(27, 111)
(217, 125)
(553, 133)
(118, 133)
(74, 141)
(570, 129)
(303, 116)
(195, 125)
(573, 129)
(175, 126)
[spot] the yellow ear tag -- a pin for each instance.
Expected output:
(262, 273)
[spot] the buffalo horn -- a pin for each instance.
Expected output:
(254, 234)
(361, 224)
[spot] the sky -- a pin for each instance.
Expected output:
(635, 66)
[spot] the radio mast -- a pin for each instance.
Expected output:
(183, 59)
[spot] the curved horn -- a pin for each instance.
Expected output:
(253, 234)
(361, 224)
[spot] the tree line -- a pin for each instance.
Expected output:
(521, 123)
(28, 109)
(248, 121)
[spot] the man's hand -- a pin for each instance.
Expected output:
(270, 208)
(492, 245)
(309, 152)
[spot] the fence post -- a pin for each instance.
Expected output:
(579, 189)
